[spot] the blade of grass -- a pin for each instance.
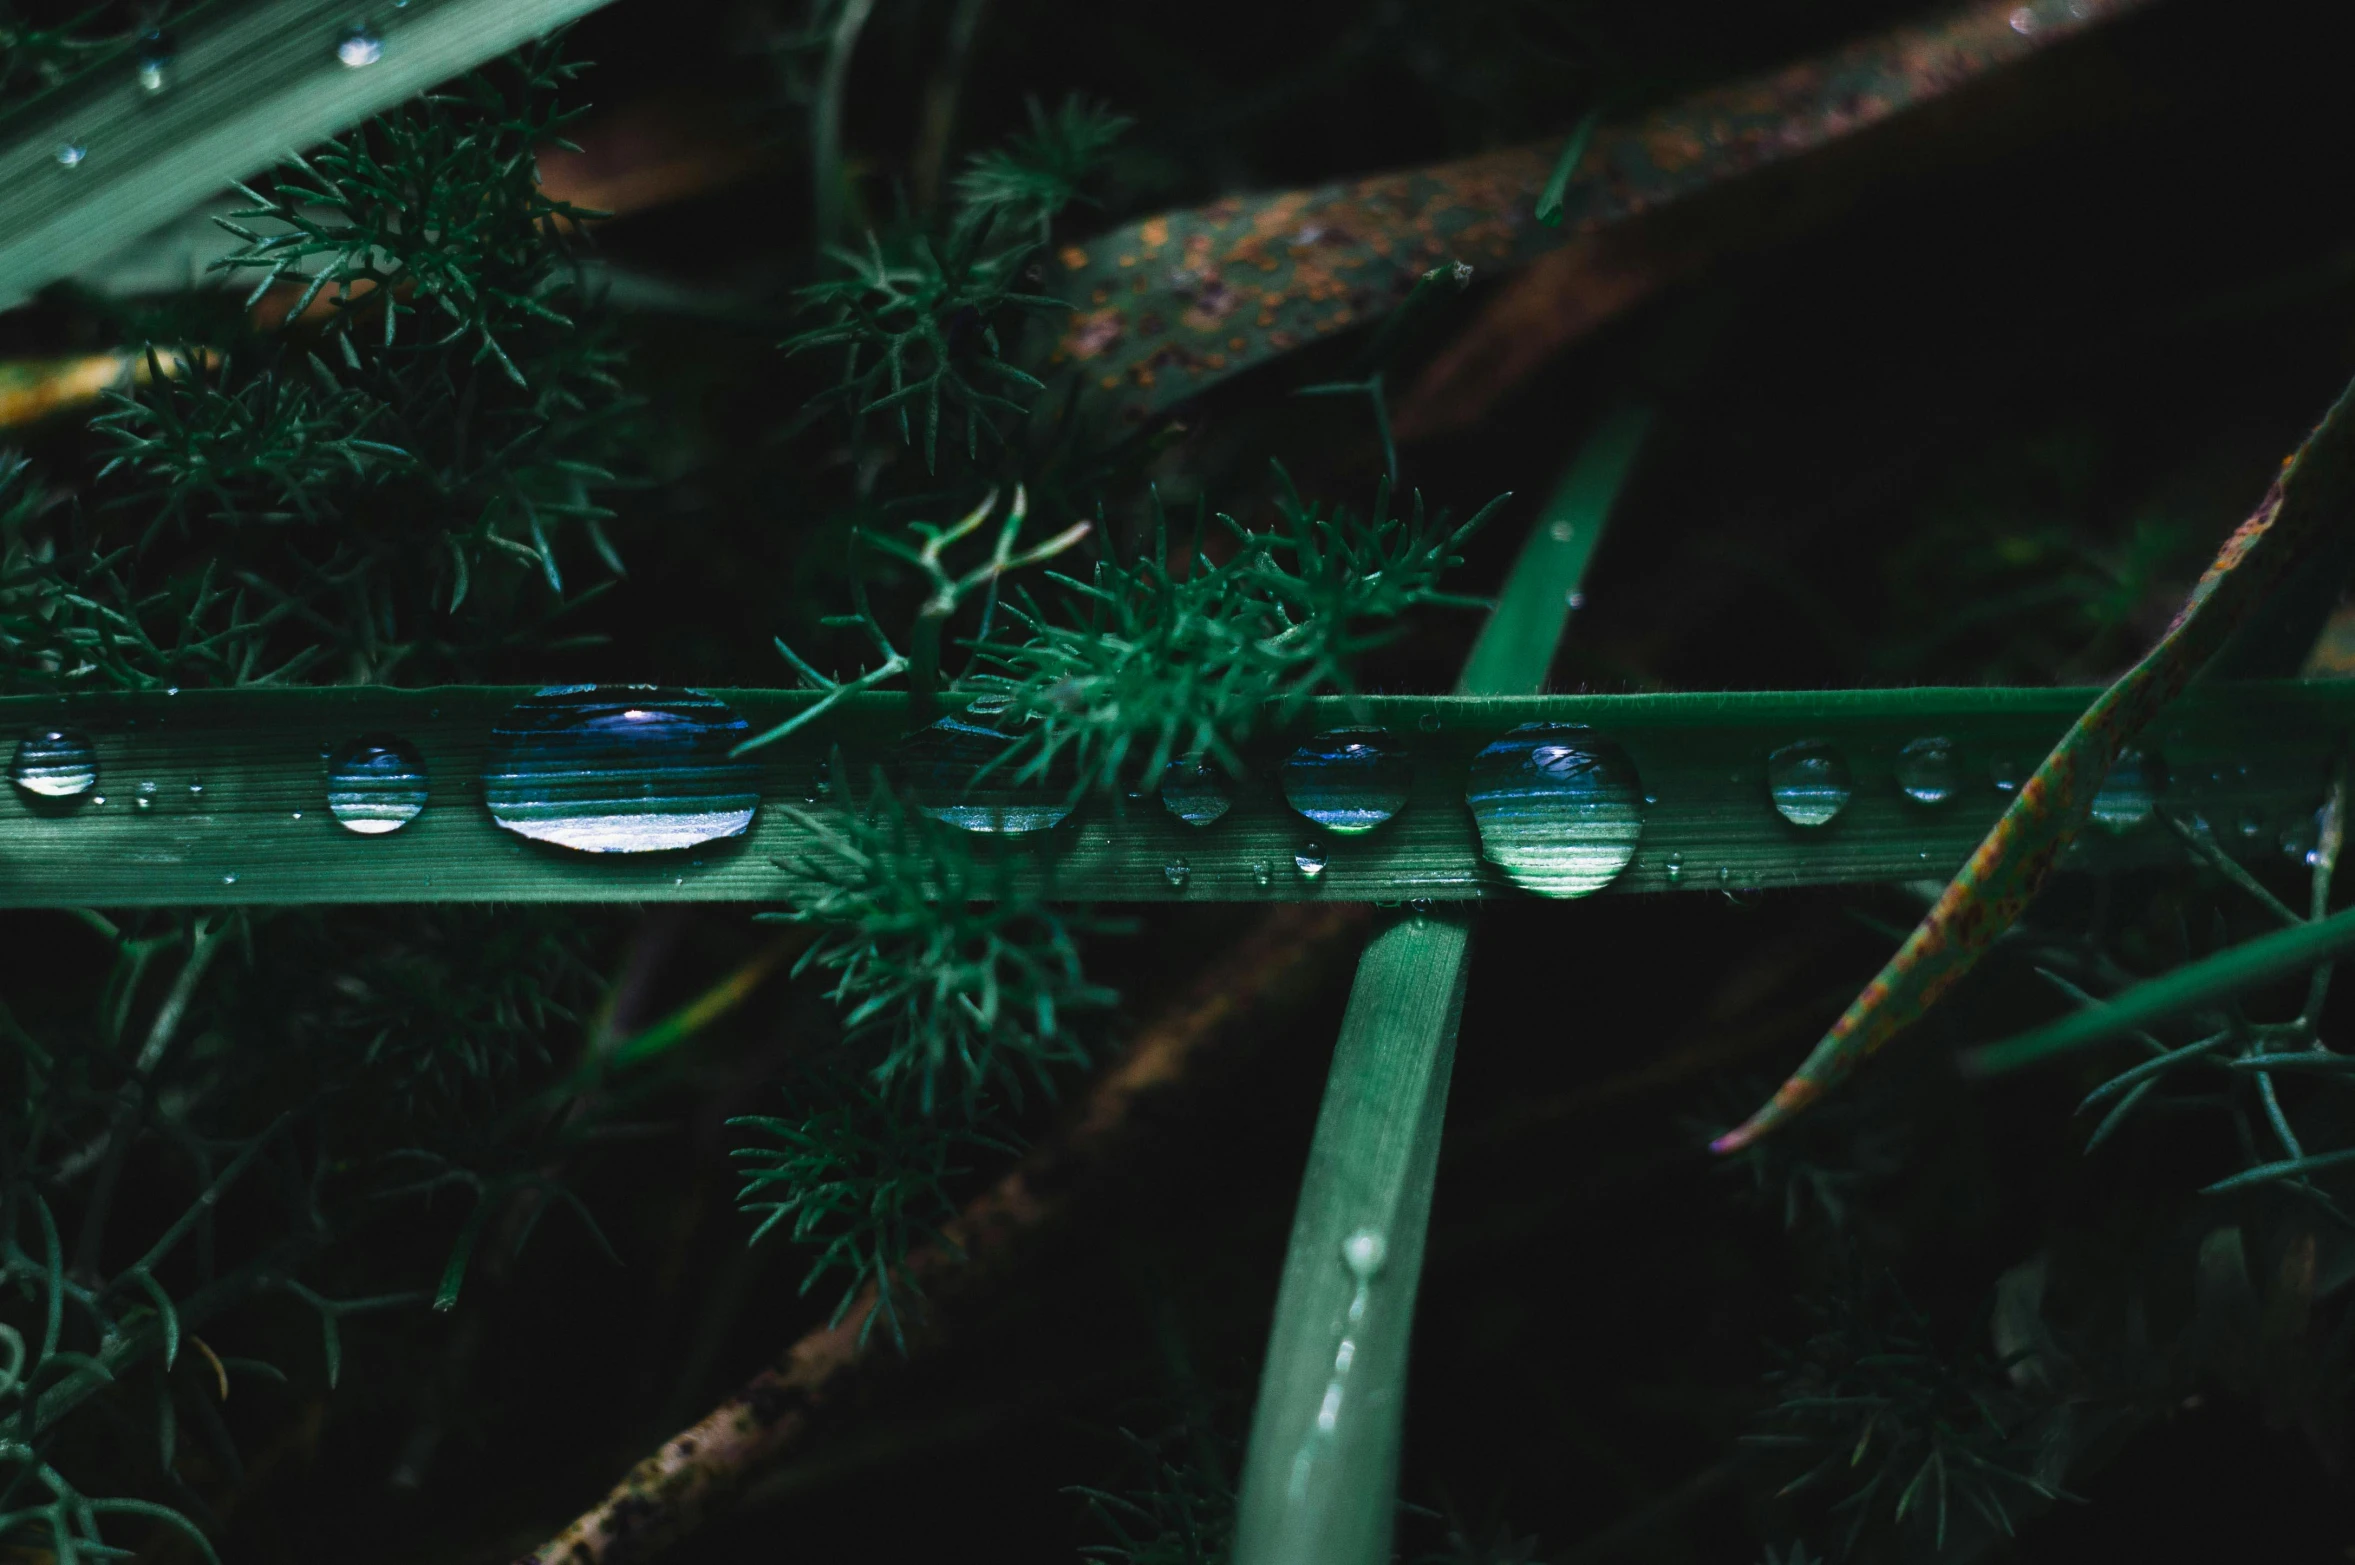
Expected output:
(252, 81)
(2236, 970)
(2005, 872)
(1320, 1476)
(1702, 754)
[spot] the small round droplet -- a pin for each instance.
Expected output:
(620, 769)
(1310, 860)
(1420, 906)
(1559, 808)
(154, 60)
(70, 154)
(55, 763)
(229, 879)
(196, 790)
(98, 801)
(1562, 532)
(1196, 791)
(1928, 771)
(1674, 868)
(1350, 780)
(1261, 872)
(375, 784)
(955, 771)
(1177, 872)
(1428, 722)
(1363, 1252)
(2007, 772)
(360, 47)
(2129, 795)
(1574, 601)
(2023, 21)
(146, 797)
(1808, 782)
(298, 815)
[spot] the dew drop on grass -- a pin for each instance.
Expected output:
(1261, 872)
(55, 763)
(146, 797)
(70, 154)
(2007, 772)
(360, 47)
(375, 784)
(2129, 795)
(1196, 791)
(154, 60)
(1177, 872)
(229, 879)
(1559, 808)
(196, 790)
(620, 769)
(1350, 780)
(1928, 772)
(1310, 860)
(947, 771)
(1809, 782)
(1674, 868)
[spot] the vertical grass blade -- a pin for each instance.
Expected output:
(92, 166)
(1320, 1477)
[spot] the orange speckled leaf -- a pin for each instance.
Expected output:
(2312, 493)
(1164, 308)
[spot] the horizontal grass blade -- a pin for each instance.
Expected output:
(250, 81)
(256, 755)
(2210, 981)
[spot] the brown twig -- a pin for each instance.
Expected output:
(666, 1496)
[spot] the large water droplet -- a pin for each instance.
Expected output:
(375, 784)
(620, 769)
(1350, 780)
(2129, 795)
(955, 771)
(1196, 791)
(55, 763)
(1559, 808)
(360, 47)
(1310, 860)
(1808, 782)
(1928, 771)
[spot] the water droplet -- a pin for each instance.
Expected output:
(71, 153)
(1559, 808)
(55, 763)
(1350, 780)
(1177, 872)
(2007, 772)
(1363, 1252)
(1674, 868)
(1562, 532)
(1808, 782)
(1428, 722)
(146, 798)
(196, 790)
(1310, 860)
(154, 60)
(2251, 828)
(1420, 907)
(620, 769)
(2023, 21)
(375, 784)
(1928, 771)
(298, 815)
(360, 47)
(1261, 872)
(947, 771)
(2129, 795)
(229, 879)
(99, 800)
(1196, 791)
(1574, 601)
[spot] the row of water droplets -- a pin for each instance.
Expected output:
(636, 769)
(155, 66)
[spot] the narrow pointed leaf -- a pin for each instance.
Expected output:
(2004, 874)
